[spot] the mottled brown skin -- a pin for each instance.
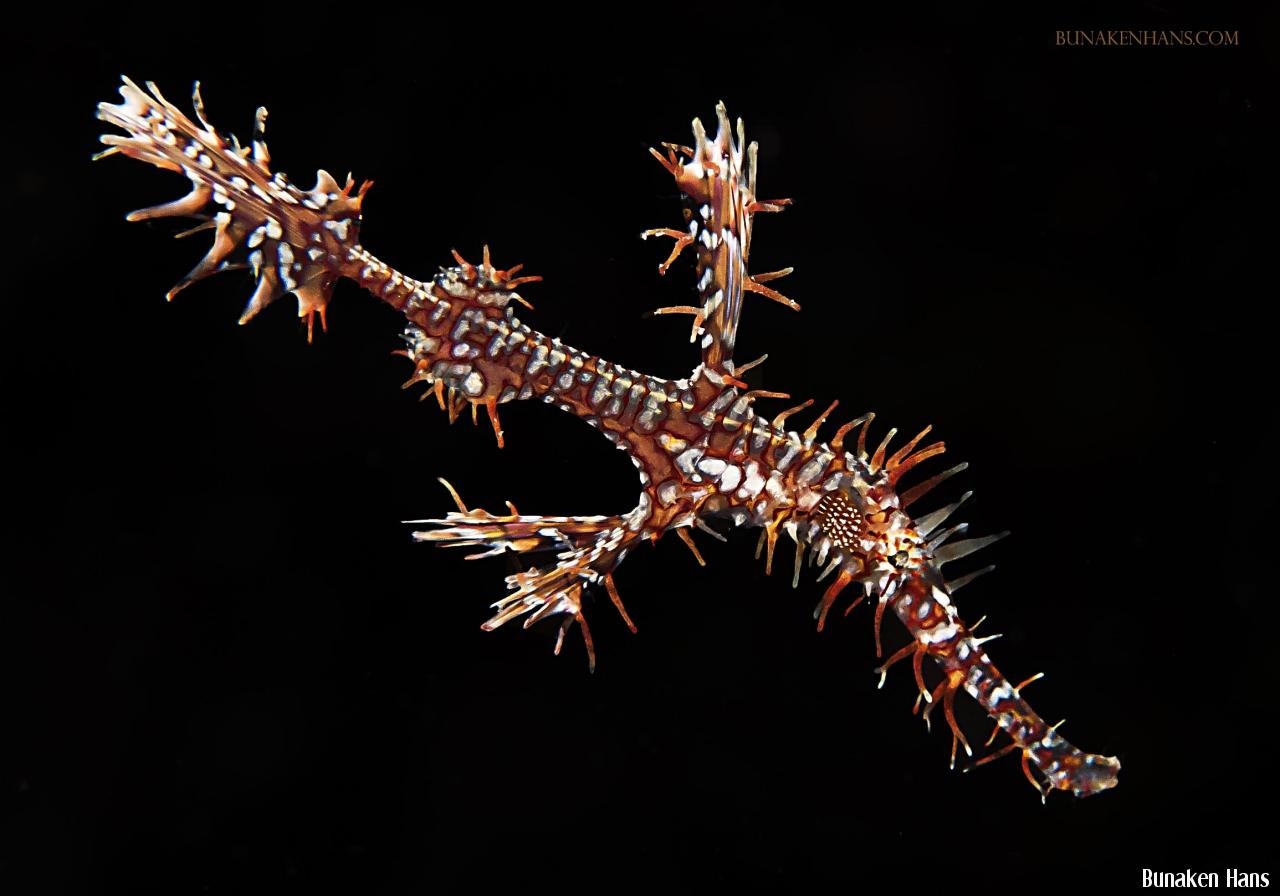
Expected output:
(701, 451)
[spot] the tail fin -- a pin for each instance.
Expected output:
(297, 241)
(923, 603)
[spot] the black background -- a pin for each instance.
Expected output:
(232, 669)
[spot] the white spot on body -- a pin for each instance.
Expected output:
(1003, 692)
(671, 444)
(668, 491)
(712, 466)
(730, 479)
(938, 634)
(754, 482)
(774, 487)
(687, 460)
